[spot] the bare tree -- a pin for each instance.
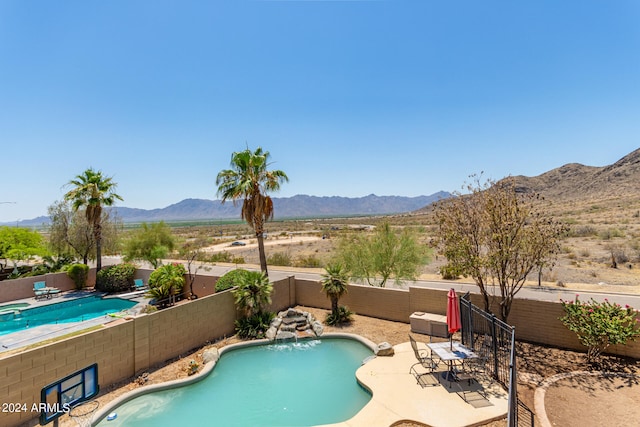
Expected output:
(497, 235)
(70, 232)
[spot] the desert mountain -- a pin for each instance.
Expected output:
(574, 182)
(299, 206)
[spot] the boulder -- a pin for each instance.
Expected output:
(271, 333)
(317, 327)
(384, 349)
(210, 355)
(285, 335)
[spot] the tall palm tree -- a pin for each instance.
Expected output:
(92, 191)
(334, 284)
(249, 180)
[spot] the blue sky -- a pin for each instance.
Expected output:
(391, 97)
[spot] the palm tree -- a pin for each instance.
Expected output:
(92, 190)
(249, 179)
(253, 293)
(334, 284)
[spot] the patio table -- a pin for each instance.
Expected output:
(451, 353)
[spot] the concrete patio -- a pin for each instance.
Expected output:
(397, 396)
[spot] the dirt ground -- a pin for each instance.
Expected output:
(585, 401)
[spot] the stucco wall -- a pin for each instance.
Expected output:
(11, 290)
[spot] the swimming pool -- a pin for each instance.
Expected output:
(14, 306)
(302, 384)
(76, 310)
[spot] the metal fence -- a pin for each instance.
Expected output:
(483, 332)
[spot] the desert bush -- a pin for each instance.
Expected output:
(223, 256)
(279, 258)
(308, 262)
(582, 231)
(237, 260)
(115, 278)
(79, 274)
(585, 253)
(449, 272)
(610, 233)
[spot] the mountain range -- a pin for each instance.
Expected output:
(299, 206)
(572, 185)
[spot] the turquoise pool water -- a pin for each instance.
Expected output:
(76, 310)
(293, 384)
(6, 307)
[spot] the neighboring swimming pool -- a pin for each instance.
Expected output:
(76, 310)
(292, 384)
(14, 306)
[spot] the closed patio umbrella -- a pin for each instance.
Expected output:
(453, 315)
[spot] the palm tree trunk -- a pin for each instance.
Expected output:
(97, 232)
(334, 305)
(263, 257)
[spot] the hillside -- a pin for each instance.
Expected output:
(579, 183)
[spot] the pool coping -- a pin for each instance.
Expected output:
(206, 370)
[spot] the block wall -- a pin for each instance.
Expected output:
(122, 350)
(11, 290)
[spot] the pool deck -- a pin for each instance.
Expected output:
(398, 397)
(46, 332)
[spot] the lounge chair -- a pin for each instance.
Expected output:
(43, 291)
(425, 359)
(138, 285)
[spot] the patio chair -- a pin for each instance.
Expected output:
(42, 291)
(425, 359)
(477, 365)
(138, 285)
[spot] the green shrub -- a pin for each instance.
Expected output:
(166, 282)
(600, 324)
(343, 315)
(449, 272)
(79, 274)
(255, 326)
(115, 278)
(280, 258)
(223, 256)
(308, 262)
(230, 279)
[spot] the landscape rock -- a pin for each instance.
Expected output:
(285, 335)
(271, 333)
(384, 349)
(317, 327)
(210, 355)
(292, 323)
